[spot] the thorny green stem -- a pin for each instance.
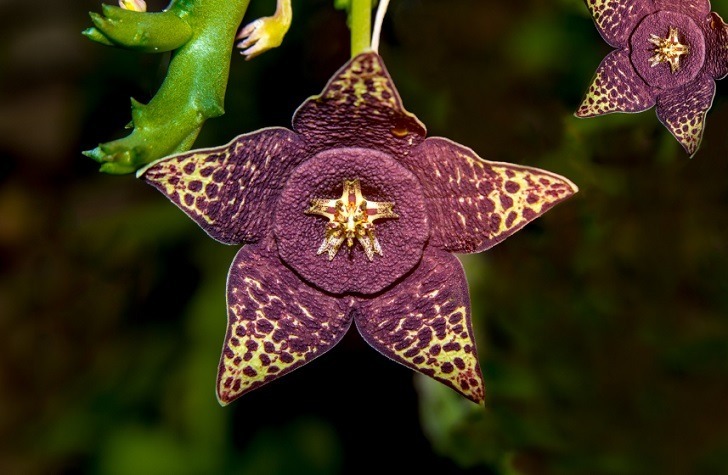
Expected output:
(361, 26)
(201, 34)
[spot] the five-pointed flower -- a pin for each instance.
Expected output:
(669, 54)
(351, 217)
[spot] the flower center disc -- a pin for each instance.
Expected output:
(668, 49)
(350, 253)
(351, 217)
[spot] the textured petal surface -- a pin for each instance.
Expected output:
(424, 323)
(230, 190)
(615, 19)
(359, 107)
(695, 8)
(716, 37)
(616, 88)
(475, 204)
(276, 323)
(683, 111)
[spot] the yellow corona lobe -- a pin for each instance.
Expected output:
(351, 217)
(668, 50)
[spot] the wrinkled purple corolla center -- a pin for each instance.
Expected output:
(288, 302)
(382, 179)
(634, 77)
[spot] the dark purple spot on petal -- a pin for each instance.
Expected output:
(447, 367)
(512, 186)
(454, 346)
(279, 335)
(264, 326)
(454, 318)
(211, 190)
(440, 328)
(506, 201)
(249, 371)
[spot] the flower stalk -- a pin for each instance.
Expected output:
(361, 26)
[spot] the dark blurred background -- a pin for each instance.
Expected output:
(602, 327)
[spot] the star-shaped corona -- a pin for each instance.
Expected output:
(351, 217)
(668, 50)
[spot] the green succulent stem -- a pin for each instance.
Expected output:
(200, 34)
(361, 26)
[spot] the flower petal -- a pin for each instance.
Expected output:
(359, 107)
(695, 8)
(424, 323)
(230, 190)
(615, 19)
(716, 61)
(474, 204)
(276, 323)
(682, 111)
(616, 88)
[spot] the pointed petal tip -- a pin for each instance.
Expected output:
(221, 398)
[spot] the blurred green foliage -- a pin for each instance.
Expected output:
(602, 327)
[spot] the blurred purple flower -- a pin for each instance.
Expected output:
(669, 54)
(358, 182)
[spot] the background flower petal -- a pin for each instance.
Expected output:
(230, 190)
(616, 87)
(694, 8)
(683, 111)
(276, 323)
(474, 204)
(615, 19)
(359, 107)
(424, 323)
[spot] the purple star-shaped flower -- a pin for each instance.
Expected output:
(669, 54)
(352, 216)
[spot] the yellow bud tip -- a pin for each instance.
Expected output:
(133, 5)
